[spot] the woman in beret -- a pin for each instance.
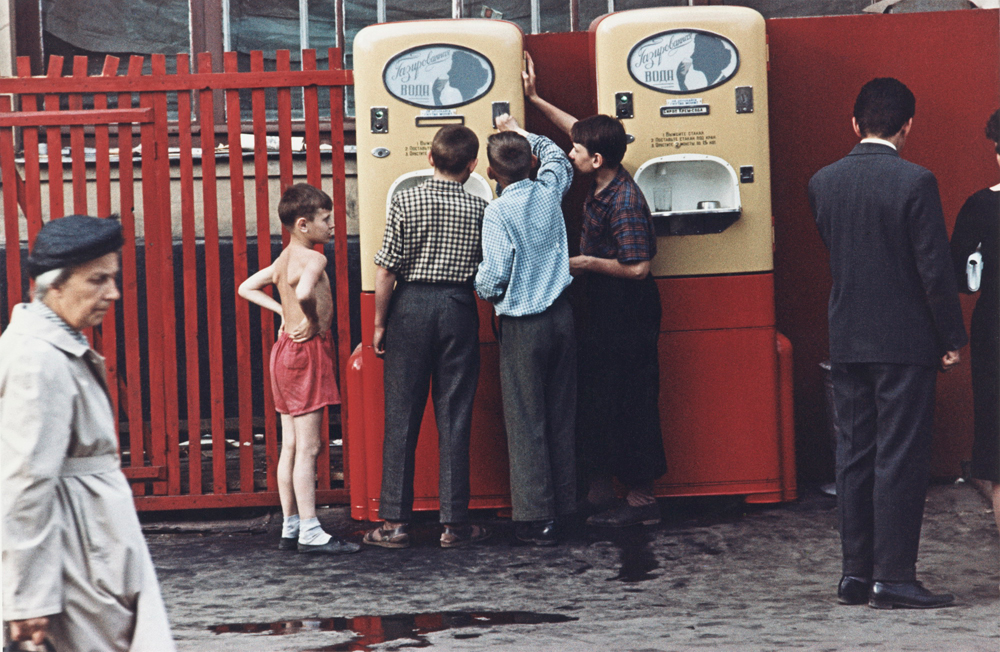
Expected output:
(76, 569)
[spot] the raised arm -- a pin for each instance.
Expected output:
(556, 116)
(252, 290)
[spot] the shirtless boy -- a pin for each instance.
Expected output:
(302, 362)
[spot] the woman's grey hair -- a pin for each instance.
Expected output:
(48, 280)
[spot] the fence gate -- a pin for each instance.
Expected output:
(187, 359)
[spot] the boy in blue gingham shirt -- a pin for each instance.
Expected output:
(524, 273)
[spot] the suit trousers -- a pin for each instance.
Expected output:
(432, 343)
(885, 413)
(538, 380)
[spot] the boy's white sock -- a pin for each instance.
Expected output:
(311, 533)
(290, 527)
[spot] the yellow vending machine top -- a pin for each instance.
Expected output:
(690, 86)
(411, 78)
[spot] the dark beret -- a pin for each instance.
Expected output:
(73, 240)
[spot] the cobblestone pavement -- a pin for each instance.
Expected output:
(715, 575)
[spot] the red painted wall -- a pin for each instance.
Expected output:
(817, 66)
(950, 62)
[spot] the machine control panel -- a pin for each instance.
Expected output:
(499, 109)
(380, 120)
(746, 174)
(623, 105)
(744, 99)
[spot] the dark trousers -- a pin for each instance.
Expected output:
(538, 379)
(618, 416)
(432, 342)
(885, 413)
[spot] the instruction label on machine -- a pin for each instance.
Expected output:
(419, 149)
(678, 139)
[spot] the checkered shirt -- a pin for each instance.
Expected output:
(617, 223)
(525, 255)
(433, 234)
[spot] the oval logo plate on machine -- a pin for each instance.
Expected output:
(682, 61)
(438, 76)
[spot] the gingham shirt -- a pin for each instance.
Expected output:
(617, 223)
(433, 234)
(525, 256)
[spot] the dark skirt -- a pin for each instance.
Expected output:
(984, 351)
(618, 422)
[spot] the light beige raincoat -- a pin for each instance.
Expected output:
(72, 546)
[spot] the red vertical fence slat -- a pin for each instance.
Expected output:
(11, 222)
(340, 246)
(130, 282)
(283, 63)
(102, 182)
(32, 166)
(78, 155)
(239, 226)
(189, 248)
(53, 143)
(262, 201)
(165, 442)
(212, 279)
(314, 177)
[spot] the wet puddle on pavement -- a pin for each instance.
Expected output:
(372, 630)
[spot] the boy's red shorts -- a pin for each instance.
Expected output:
(302, 374)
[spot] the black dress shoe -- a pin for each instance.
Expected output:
(853, 590)
(540, 533)
(334, 546)
(907, 595)
(288, 543)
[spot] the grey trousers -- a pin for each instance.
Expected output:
(432, 342)
(538, 380)
(885, 413)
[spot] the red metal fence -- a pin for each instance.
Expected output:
(163, 454)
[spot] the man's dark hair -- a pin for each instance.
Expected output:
(883, 107)
(453, 148)
(601, 134)
(509, 154)
(993, 129)
(302, 200)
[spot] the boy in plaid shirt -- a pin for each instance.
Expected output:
(619, 373)
(427, 328)
(525, 272)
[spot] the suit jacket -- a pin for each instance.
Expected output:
(894, 298)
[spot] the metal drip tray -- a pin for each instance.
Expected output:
(695, 222)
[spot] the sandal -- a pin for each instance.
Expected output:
(456, 536)
(396, 537)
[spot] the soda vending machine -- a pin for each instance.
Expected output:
(412, 78)
(690, 86)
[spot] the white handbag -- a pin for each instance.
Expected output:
(974, 269)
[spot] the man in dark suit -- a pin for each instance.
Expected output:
(895, 320)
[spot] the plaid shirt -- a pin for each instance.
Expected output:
(617, 223)
(525, 256)
(433, 233)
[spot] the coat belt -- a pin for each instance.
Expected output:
(74, 466)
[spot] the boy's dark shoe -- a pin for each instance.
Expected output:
(540, 533)
(457, 536)
(335, 546)
(906, 595)
(387, 537)
(288, 543)
(625, 515)
(853, 590)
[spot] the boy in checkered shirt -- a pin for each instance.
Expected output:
(427, 329)
(525, 273)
